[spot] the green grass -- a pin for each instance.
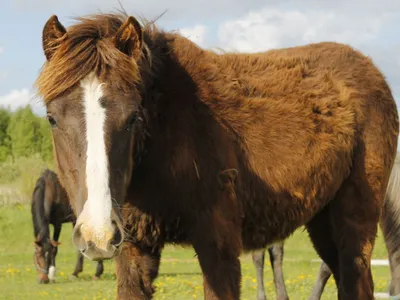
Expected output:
(180, 275)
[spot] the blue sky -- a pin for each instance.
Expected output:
(254, 25)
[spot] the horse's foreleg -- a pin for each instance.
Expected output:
(99, 269)
(323, 276)
(136, 270)
(221, 270)
(217, 241)
(79, 261)
(258, 261)
(79, 265)
(276, 258)
(52, 268)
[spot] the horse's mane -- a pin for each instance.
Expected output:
(88, 47)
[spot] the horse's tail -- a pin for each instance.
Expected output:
(391, 212)
(40, 215)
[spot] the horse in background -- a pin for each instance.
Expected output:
(390, 225)
(50, 206)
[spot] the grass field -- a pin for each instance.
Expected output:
(180, 276)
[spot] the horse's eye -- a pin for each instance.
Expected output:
(51, 120)
(131, 122)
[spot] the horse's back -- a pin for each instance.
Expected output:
(56, 199)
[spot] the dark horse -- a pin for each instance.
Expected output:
(390, 225)
(159, 141)
(50, 206)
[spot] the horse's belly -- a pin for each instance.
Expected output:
(271, 216)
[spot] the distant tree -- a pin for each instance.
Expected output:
(46, 146)
(5, 145)
(24, 131)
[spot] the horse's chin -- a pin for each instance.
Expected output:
(97, 254)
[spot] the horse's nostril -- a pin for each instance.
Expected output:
(78, 239)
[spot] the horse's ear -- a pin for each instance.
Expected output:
(129, 38)
(53, 34)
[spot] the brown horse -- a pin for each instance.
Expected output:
(159, 141)
(50, 205)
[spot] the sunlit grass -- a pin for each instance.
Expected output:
(180, 276)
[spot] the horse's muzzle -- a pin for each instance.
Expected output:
(94, 253)
(98, 245)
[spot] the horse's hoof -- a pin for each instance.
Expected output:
(96, 277)
(52, 281)
(43, 281)
(73, 277)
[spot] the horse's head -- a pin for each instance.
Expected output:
(45, 251)
(90, 84)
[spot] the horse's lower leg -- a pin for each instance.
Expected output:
(355, 217)
(320, 231)
(79, 264)
(52, 268)
(390, 224)
(136, 270)
(323, 276)
(79, 261)
(221, 271)
(99, 269)
(217, 239)
(258, 261)
(276, 259)
(217, 243)
(394, 261)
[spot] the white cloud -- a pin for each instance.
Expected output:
(1, 50)
(274, 28)
(22, 97)
(196, 34)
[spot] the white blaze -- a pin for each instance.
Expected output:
(97, 209)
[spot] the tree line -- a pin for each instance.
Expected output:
(23, 134)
